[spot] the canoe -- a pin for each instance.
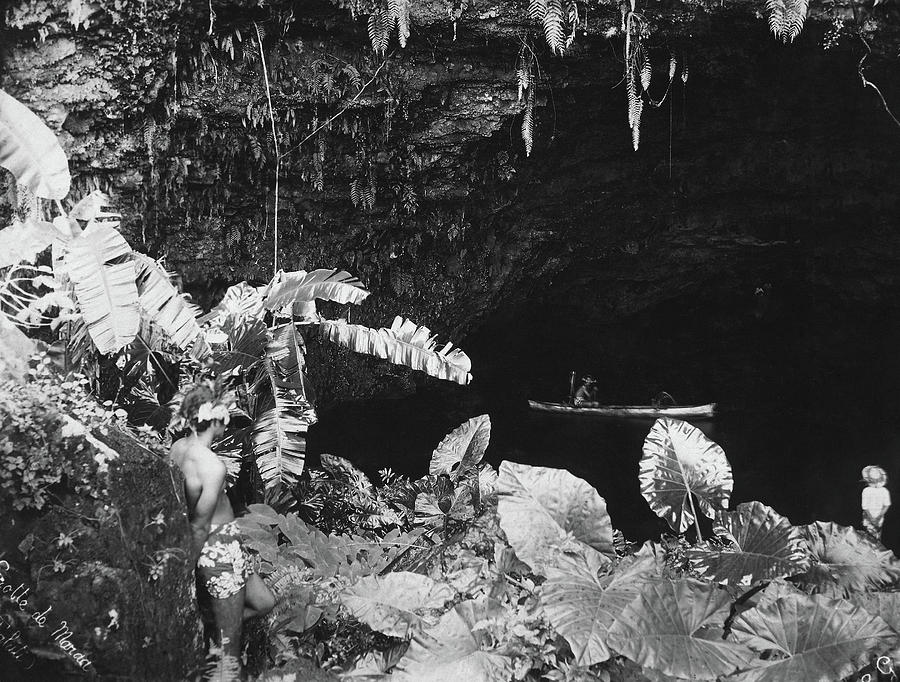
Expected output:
(707, 410)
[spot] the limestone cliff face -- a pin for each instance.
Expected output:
(411, 171)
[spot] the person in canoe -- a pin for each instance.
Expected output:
(587, 392)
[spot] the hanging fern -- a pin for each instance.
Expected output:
(537, 9)
(571, 14)
(553, 27)
(528, 122)
(786, 18)
(399, 12)
(379, 30)
(646, 74)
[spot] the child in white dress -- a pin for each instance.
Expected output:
(875, 500)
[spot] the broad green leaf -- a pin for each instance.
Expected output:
(396, 603)
(542, 509)
(462, 449)
(402, 344)
(31, 152)
(454, 650)
(885, 605)
(288, 288)
(99, 263)
(582, 606)
(22, 242)
(163, 304)
(279, 438)
(818, 639)
(246, 339)
(675, 627)
(15, 351)
(679, 460)
(96, 206)
(845, 561)
(240, 300)
(764, 545)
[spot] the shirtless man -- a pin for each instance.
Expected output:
(222, 562)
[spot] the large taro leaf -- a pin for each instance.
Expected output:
(764, 545)
(31, 152)
(163, 303)
(453, 650)
(675, 627)
(543, 509)
(678, 461)
(99, 263)
(396, 603)
(845, 561)
(885, 605)
(816, 639)
(288, 288)
(462, 449)
(582, 606)
(403, 343)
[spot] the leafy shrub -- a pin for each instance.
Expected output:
(35, 455)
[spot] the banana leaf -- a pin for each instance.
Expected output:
(100, 266)
(31, 152)
(288, 288)
(403, 344)
(163, 304)
(22, 242)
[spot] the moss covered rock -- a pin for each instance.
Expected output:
(104, 587)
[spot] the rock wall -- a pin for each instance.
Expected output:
(410, 170)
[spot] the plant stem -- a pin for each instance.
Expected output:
(696, 518)
(262, 59)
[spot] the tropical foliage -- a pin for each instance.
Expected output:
(106, 300)
(532, 586)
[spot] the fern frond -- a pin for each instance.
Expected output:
(399, 13)
(378, 31)
(524, 67)
(528, 123)
(221, 667)
(795, 18)
(673, 64)
(355, 193)
(553, 27)
(572, 20)
(646, 74)
(537, 9)
(684, 73)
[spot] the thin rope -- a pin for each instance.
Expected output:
(262, 58)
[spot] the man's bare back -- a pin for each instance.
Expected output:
(203, 472)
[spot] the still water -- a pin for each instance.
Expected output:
(808, 398)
